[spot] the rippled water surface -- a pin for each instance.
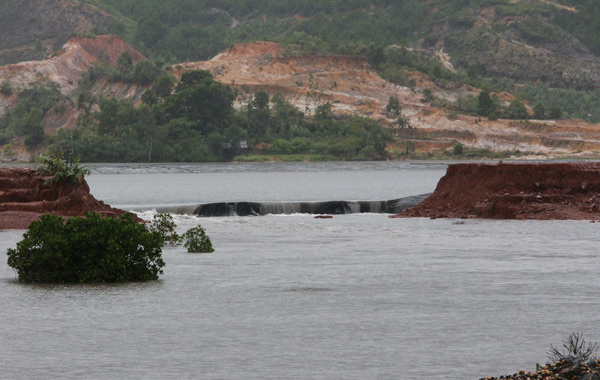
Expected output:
(293, 297)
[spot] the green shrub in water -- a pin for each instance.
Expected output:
(165, 225)
(87, 250)
(196, 240)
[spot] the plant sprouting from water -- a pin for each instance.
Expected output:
(195, 239)
(165, 225)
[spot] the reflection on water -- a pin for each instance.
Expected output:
(293, 297)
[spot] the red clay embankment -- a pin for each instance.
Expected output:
(515, 191)
(24, 198)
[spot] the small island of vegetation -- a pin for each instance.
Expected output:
(92, 248)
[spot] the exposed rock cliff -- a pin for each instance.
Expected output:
(24, 198)
(515, 191)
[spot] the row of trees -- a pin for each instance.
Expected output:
(196, 121)
(490, 107)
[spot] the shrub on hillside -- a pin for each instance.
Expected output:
(87, 250)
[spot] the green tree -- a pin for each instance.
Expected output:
(261, 100)
(555, 112)
(539, 111)
(485, 104)
(281, 146)
(517, 110)
(6, 88)
(90, 249)
(63, 169)
(393, 107)
(163, 86)
(458, 149)
(428, 96)
(203, 101)
(324, 112)
(196, 241)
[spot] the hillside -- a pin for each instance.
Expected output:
(33, 30)
(553, 41)
(348, 85)
(548, 40)
(354, 88)
(327, 65)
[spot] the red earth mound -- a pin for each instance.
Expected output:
(24, 198)
(515, 191)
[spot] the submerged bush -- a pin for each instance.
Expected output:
(194, 239)
(87, 250)
(197, 241)
(165, 226)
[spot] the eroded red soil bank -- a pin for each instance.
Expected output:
(24, 198)
(515, 191)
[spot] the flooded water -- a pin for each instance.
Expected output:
(358, 296)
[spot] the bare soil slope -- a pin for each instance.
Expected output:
(353, 88)
(515, 191)
(24, 198)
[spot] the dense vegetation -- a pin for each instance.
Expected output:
(190, 29)
(196, 121)
(24, 120)
(84, 250)
(397, 37)
(195, 30)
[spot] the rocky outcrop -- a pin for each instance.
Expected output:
(24, 198)
(572, 367)
(515, 191)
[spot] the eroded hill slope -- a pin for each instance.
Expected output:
(353, 88)
(349, 84)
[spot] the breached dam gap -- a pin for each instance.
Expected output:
(393, 206)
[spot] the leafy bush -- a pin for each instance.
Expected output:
(87, 250)
(6, 88)
(62, 169)
(458, 149)
(197, 241)
(165, 225)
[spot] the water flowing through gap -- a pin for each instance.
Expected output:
(394, 206)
